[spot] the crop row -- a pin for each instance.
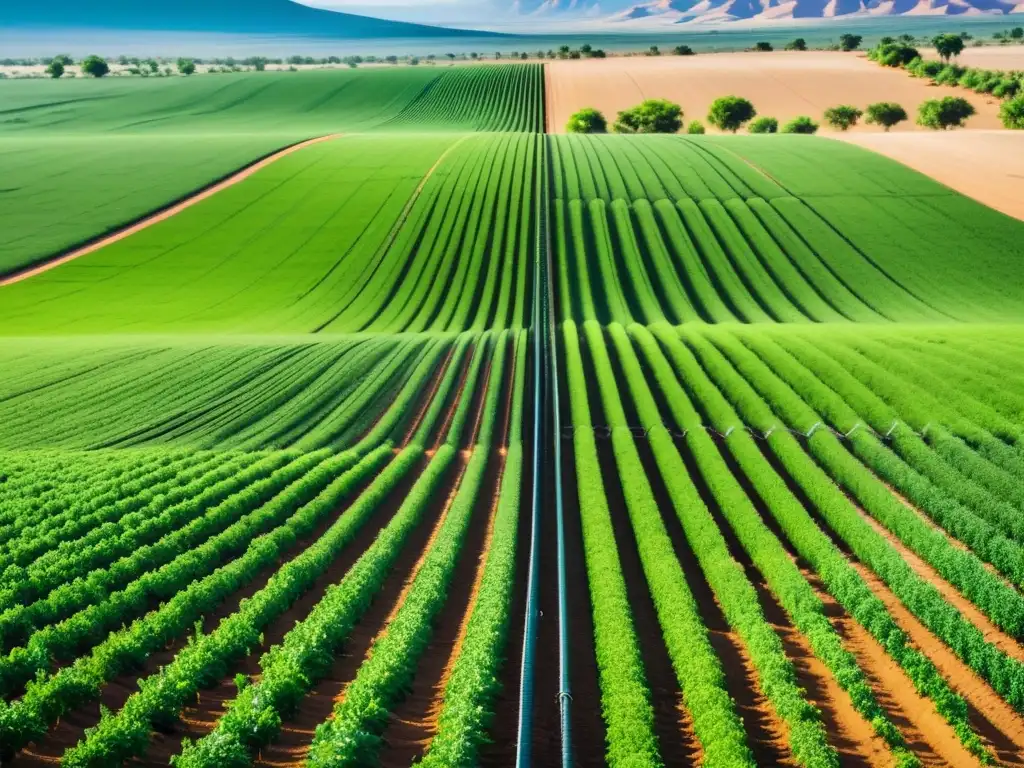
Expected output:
(667, 228)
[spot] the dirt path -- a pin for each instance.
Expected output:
(162, 215)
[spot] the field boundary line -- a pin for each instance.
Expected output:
(162, 213)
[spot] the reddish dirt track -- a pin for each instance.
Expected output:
(163, 215)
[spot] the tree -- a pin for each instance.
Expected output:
(586, 49)
(895, 55)
(886, 114)
(695, 128)
(587, 120)
(945, 113)
(850, 42)
(908, 39)
(948, 45)
(887, 40)
(95, 66)
(186, 67)
(64, 59)
(654, 51)
(650, 116)
(683, 50)
(799, 44)
(842, 117)
(730, 112)
(764, 125)
(55, 69)
(1012, 113)
(763, 46)
(1017, 33)
(802, 124)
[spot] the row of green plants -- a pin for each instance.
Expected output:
(46, 596)
(909, 476)
(732, 112)
(988, 491)
(123, 488)
(245, 516)
(288, 671)
(205, 660)
(507, 97)
(1004, 673)
(352, 736)
(716, 722)
(732, 588)
(713, 380)
(758, 542)
(51, 696)
(108, 545)
(467, 713)
(1008, 86)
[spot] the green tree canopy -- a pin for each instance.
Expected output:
(186, 67)
(729, 113)
(95, 66)
(842, 117)
(802, 124)
(695, 128)
(948, 45)
(764, 125)
(945, 113)
(886, 114)
(850, 42)
(587, 120)
(799, 44)
(55, 69)
(1012, 113)
(651, 116)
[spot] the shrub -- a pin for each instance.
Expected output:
(764, 125)
(729, 113)
(1006, 88)
(948, 45)
(945, 113)
(842, 117)
(799, 44)
(896, 55)
(802, 124)
(683, 50)
(186, 67)
(763, 46)
(55, 69)
(695, 128)
(587, 120)
(850, 42)
(95, 66)
(651, 116)
(1012, 113)
(886, 114)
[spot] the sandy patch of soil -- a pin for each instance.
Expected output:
(985, 165)
(992, 57)
(780, 84)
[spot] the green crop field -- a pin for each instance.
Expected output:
(443, 442)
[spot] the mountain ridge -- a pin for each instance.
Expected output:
(279, 17)
(648, 13)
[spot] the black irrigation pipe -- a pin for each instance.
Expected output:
(546, 442)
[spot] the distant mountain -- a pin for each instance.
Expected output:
(651, 13)
(278, 17)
